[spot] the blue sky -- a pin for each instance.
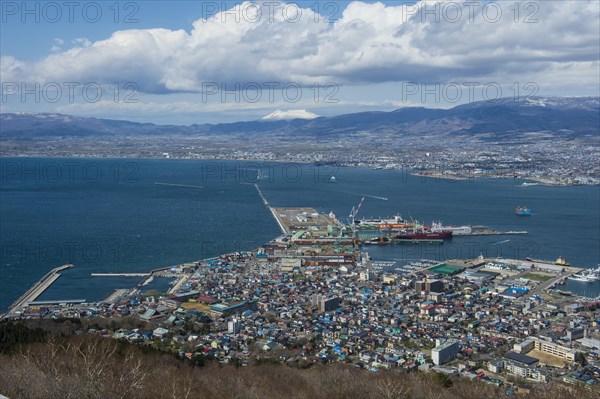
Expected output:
(194, 62)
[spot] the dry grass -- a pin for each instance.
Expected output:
(196, 306)
(547, 358)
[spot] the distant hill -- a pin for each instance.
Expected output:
(499, 120)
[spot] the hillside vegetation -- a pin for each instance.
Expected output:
(46, 365)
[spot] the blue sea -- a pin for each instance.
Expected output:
(120, 215)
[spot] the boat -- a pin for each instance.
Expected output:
(456, 230)
(332, 179)
(378, 241)
(594, 274)
(395, 222)
(523, 211)
(564, 293)
(560, 261)
(422, 234)
(581, 277)
(587, 276)
(147, 281)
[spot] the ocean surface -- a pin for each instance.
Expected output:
(119, 215)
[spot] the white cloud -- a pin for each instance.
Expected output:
(57, 46)
(369, 43)
(280, 115)
(82, 42)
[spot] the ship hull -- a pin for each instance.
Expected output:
(425, 235)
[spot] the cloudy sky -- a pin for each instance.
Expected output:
(194, 62)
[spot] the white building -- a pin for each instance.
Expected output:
(524, 347)
(234, 326)
(524, 371)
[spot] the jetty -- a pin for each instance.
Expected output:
(178, 284)
(157, 183)
(273, 211)
(120, 274)
(57, 302)
(37, 289)
(492, 233)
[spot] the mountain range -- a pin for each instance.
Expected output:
(498, 120)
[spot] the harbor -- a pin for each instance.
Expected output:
(320, 266)
(322, 239)
(307, 225)
(36, 290)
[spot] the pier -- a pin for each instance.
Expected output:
(120, 274)
(273, 211)
(492, 233)
(420, 241)
(264, 200)
(157, 183)
(58, 302)
(179, 283)
(37, 289)
(120, 292)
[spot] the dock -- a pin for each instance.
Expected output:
(37, 289)
(58, 302)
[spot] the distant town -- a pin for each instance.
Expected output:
(546, 163)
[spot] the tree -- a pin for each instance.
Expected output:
(443, 380)
(581, 358)
(393, 388)
(13, 335)
(199, 360)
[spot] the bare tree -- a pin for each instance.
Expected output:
(392, 388)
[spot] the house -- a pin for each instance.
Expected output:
(160, 332)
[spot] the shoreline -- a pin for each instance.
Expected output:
(412, 172)
(182, 277)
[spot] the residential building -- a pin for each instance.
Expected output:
(445, 351)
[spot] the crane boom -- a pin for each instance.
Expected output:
(359, 205)
(353, 214)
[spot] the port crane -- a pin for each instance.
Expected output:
(352, 216)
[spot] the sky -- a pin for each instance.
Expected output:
(184, 62)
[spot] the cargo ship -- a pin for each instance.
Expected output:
(456, 230)
(421, 234)
(395, 222)
(523, 211)
(561, 261)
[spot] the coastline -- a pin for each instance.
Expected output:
(434, 175)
